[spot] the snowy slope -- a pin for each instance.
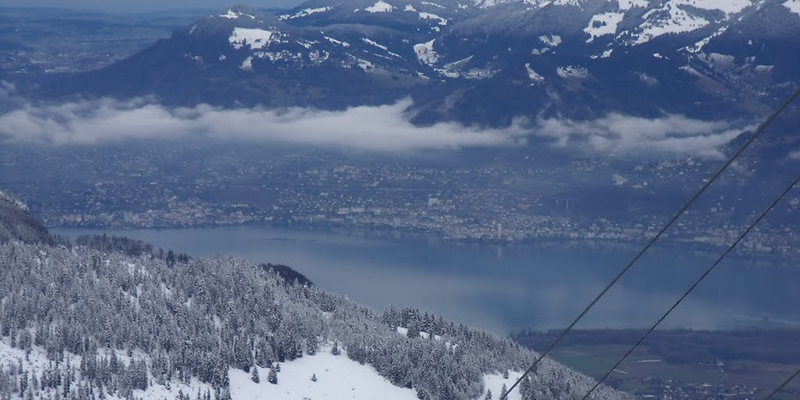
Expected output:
(338, 377)
(36, 363)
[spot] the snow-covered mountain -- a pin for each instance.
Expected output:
(484, 61)
(84, 323)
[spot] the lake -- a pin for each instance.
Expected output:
(505, 288)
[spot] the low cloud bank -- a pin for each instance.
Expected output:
(672, 134)
(380, 128)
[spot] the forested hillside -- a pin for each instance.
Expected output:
(16, 223)
(110, 325)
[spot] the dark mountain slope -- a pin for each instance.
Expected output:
(483, 63)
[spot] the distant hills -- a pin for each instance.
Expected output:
(482, 61)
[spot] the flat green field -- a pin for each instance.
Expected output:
(743, 364)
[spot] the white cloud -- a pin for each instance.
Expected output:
(383, 128)
(380, 128)
(671, 134)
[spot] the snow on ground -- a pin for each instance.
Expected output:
(603, 24)
(572, 72)
(535, 77)
(255, 38)
(495, 382)
(425, 52)
(575, 3)
(409, 7)
(235, 15)
(380, 6)
(427, 3)
(625, 5)
(793, 6)
(376, 44)
(424, 15)
(304, 13)
(726, 6)
(338, 377)
(247, 64)
(158, 392)
(36, 362)
(365, 65)
(380, 46)
(675, 20)
(552, 40)
(339, 42)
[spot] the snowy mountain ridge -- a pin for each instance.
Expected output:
(464, 60)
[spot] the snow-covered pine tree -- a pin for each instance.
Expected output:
(254, 374)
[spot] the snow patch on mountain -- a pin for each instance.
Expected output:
(702, 43)
(793, 6)
(339, 42)
(726, 6)
(626, 5)
(551, 40)
(365, 65)
(575, 3)
(603, 24)
(337, 377)
(572, 72)
(427, 3)
(605, 54)
(488, 3)
(380, 46)
(304, 13)
(247, 64)
(533, 75)
(255, 38)
(425, 52)
(380, 6)
(376, 44)
(235, 15)
(425, 15)
(410, 8)
(669, 18)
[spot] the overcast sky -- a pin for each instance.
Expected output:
(145, 5)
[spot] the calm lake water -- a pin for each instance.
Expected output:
(507, 288)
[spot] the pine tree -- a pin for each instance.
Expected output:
(23, 383)
(488, 395)
(335, 350)
(313, 377)
(273, 376)
(254, 376)
(422, 394)
(503, 392)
